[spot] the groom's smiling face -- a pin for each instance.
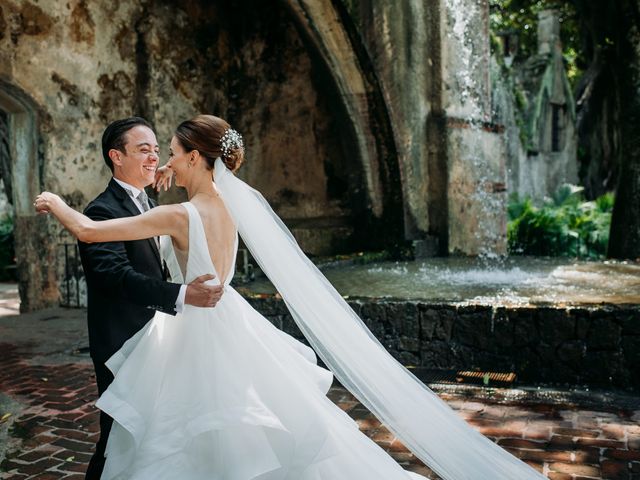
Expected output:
(138, 163)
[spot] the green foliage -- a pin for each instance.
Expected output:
(521, 17)
(7, 253)
(564, 225)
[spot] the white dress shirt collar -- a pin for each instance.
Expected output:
(135, 191)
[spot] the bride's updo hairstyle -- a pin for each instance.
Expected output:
(213, 138)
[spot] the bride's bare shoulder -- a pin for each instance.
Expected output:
(172, 209)
(174, 212)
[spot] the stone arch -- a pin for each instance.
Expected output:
(331, 35)
(35, 257)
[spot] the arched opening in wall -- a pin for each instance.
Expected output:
(362, 172)
(22, 180)
(300, 144)
(348, 221)
(313, 145)
(557, 124)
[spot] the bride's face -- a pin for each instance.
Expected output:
(178, 162)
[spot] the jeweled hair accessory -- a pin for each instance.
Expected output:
(230, 141)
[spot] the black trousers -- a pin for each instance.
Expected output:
(104, 377)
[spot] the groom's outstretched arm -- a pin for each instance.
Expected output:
(107, 265)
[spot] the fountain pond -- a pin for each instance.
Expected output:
(548, 321)
(513, 281)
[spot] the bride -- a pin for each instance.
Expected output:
(222, 393)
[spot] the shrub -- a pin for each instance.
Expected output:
(564, 225)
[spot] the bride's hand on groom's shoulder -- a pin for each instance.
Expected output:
(46, 202)
(163, 178)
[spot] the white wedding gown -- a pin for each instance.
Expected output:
(222, 394)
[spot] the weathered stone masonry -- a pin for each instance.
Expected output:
(351, 112)
(591, 346)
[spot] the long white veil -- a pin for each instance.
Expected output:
(416, 415)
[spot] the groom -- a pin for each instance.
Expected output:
(126, 281)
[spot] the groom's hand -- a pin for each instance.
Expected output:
(199, 294)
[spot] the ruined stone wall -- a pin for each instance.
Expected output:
(63, 57)
(83, 64)
(432, 62)
(86, 64)
(349, 110)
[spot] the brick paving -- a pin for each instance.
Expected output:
(49, 424)
(54, 432)
(562, 440)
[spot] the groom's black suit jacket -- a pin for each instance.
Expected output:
(125, 280)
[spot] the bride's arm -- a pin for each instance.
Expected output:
(165, 220)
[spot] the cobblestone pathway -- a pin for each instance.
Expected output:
(48, 423)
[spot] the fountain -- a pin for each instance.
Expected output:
(513, 282)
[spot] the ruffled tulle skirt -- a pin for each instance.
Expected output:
(222, 394)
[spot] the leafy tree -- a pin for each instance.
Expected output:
(601, 40)
(521, 18)
(564, 225)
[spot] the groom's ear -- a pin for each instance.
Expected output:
(114, 155)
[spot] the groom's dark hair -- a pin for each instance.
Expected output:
(114, 136)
